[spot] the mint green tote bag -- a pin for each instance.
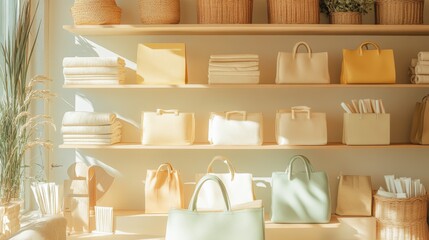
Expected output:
(190, 224)
(300, 197)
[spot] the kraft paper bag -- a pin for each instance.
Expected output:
(354, 196)
(420, 124)
(368, 66)
(161, 63)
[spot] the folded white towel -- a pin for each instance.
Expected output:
(93, 70)
(233, 64)
(421, 69)
(88, 119)
(232, 69)
(412, 71)
(115, 128)
(93, 82)
(93, 62)
(94, 77)
(420, 79)
(92, 142)
(248, 73)
(423, 56)
(234, 57)
(233, 79)
(92, 136)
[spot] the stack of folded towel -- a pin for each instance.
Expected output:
(91, 128)
(236, 68)
(419, 69)
(93, 70)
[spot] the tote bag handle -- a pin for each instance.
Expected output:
(307, 165)
(242, 113)
(227, 163)
(165, 165)
(194, 199)
(295, 49)
(366, 44)
(169, 111)
(301, 109)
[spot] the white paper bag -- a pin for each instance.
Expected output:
(235, 128)
(301, 127)
(168, 127)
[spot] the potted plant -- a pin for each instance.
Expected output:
(20, 129)
(346, 11)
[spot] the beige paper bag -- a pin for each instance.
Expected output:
(366, 129)
(354, 196)
(161, 63)
(420, 123)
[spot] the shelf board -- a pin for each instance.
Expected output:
(266, 146)
(249, 29)
(262, 86)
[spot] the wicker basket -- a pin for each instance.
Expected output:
(293, 11)
(345, 18)
(97, 12)
(399, 11)
(225, 11)
(401, 218)
(160, 11)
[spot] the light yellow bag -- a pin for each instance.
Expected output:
(368, 66)
(163, 189)
(366, 129)
(161, 63)
(354, 196)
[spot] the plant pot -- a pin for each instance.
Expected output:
(9, 219)
(345, 18)
(160, 11)
(293, 11)
(399, 12)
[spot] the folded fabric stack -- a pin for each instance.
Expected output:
(93, 70)
(236, 68)
(91, 128)
(419, 69)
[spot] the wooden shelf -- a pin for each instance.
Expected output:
(262, 86)
(266, 146)
(249, 29)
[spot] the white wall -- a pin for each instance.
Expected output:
(129, 166)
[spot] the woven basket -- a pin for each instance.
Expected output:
(160, 11)
(96, 12)
(293, 11)
(399, 11)
(225, 11)
(401, 218)
(345, 18)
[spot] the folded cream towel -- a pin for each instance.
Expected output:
(93, 70)
(94, 77)
(248, 73)
(94, 140)
(423, 56)
(93, 82)
(98, 142)
(93, 62)
(412, 71)
(88, 119)
(421, 69)
(92, 136)
(233, 64)
(115, 128)
(420, 79)
(232, 69)
(234, 57)
(233, 79)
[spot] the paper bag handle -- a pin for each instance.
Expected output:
(226, 161)
(169, 111)
(301, 109)
(194, 199)
(295, 48)
(169, 167)
(307, 165)
(366, 44)
(243, 113)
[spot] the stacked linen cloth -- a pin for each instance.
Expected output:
(234, 68)
(419, 69)
(91, 128)
(93, 70)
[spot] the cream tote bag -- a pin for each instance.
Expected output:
(307, 67)
(235, 128)
(366, 129)
(163, 189)
(168, 127)
(300, 126)
(239, 187)
(161, 63)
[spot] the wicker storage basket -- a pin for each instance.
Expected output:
(96, 12)
(160, 11)
(345, 18)
(225, 11)
(399, 11)
(293, 11)
(401, 218)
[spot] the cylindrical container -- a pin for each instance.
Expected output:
(97, 12)
(293, 11)
(345, 18)
(160, 11)
(225, 11)
(399, 11)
